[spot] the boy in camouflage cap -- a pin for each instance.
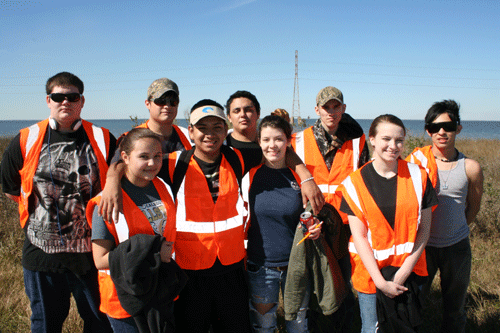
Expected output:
(332, 148)
(162, 101)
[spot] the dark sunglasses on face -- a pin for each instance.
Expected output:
(448, 126)
(71, 97)
(167, 100)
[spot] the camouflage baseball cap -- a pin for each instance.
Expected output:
(327, 94)
(161, 86)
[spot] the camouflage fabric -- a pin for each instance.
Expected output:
(327, 144)
(161, 86)
(329, 93)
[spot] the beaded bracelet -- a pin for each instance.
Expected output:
(306, 180)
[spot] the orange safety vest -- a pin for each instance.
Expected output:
(181, 132)
(346, 161)
(425, 158)
(206, 231)
(31, 141)
(131, 222)
(390, 246)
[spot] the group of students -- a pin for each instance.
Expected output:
(196, 229)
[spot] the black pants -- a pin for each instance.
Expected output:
(220, 301)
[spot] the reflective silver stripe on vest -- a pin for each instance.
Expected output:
(385, 254)
(351, 190)
(355, 153)
(33, 132)
(416, 178)
(186, 133)
(299, 145)
(121, 227)
(122, 232)
(99, 138)
(209, 226)
(419, 156)
(325, 188)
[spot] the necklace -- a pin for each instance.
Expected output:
(448, 160)
(293, 183)
(445, 182)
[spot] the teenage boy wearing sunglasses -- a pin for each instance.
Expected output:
(162, 101)
(51, 170)
(458, 180)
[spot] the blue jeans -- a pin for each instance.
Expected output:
(49, 294)
(454, 264)
(123, 325)
(264, 285)
(368, 311)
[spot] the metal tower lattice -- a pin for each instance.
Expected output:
(296, 110)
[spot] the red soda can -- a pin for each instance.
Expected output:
(306, 218)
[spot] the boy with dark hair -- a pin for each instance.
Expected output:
(243, 112)
(52, 169)
(210, 230)
(458, 180)
(64, 79)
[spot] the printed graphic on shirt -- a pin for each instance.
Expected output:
(64, 182)
(157, 215)
(213, 184)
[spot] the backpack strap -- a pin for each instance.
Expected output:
(183, 163)
(180, 170)
(235, 163)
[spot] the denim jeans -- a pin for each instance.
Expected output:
(123, 325)
(454, 264)
(264, 285)
(368, 311)
(49, 294)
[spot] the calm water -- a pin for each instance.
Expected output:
(471, 129)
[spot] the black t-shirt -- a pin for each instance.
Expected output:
(76, 187)
(250, 151)
(211, 172)
(384, 193)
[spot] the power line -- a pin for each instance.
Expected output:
(296, 110)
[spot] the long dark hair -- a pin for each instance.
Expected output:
(275, 122)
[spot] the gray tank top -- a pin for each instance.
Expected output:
(449, 224)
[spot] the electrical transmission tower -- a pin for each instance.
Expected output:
(296, 110)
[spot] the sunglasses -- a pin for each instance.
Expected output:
(448, 126)
(167, 100)
(71, 97)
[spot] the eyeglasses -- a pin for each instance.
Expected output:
(71, 97)
(167, 100)
(448, 126)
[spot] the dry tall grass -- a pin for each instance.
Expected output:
(483, 306)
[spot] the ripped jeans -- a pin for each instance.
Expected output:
(264, 285)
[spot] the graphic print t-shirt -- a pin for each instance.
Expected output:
(66, 178)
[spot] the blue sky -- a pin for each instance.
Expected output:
(394, 57)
